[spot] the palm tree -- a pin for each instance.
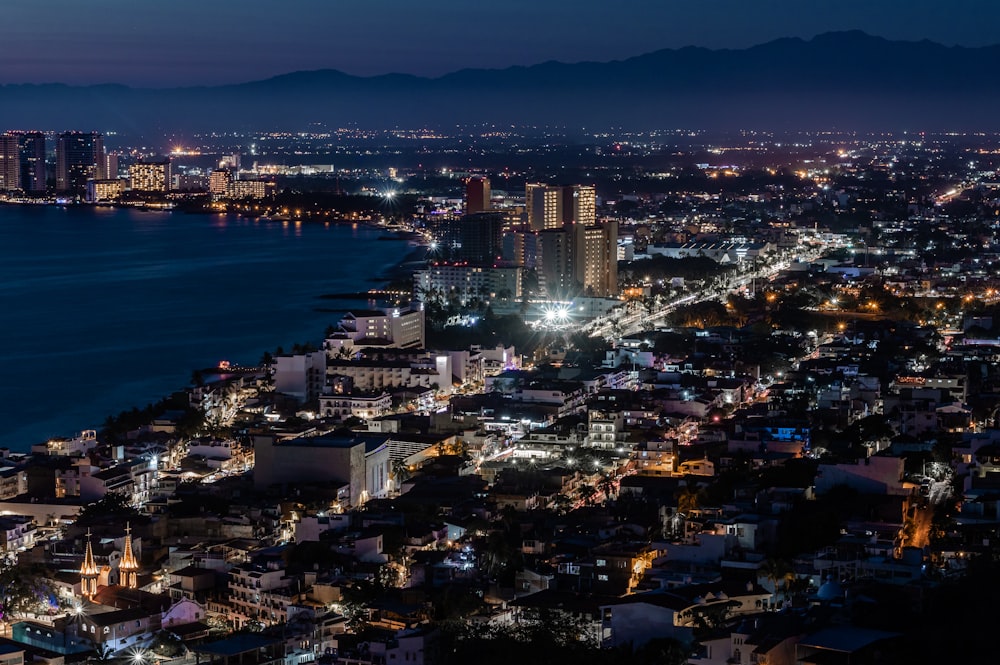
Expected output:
(781, 575)
(562, 503)
(586, 493)
(607, 485)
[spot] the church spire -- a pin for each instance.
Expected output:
(89, 572)
(128, 566)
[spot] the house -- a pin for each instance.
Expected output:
(17, 532)
(872, 475)
(638, 618)
(119, 629)
(192, 582)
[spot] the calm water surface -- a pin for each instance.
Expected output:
(103, 309)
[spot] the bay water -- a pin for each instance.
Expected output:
(103, 309)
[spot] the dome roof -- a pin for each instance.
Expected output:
(830, 590)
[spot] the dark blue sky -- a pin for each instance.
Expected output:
(175, 42)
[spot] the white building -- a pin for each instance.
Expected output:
(79, 445)
(424, 371)
(302, 375)
(364, 406)
(17, 532)
(444, 281)
(392, 327)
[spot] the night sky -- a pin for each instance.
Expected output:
(192, 42)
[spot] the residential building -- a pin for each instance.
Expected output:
(553, 207)
(250, 189)
(360, 461)
(119, 629)
(595, 258)
(446, 281)
(481, 236)
(579, 259)
(32, 153)
(392, 327)
(150, 176)
(219, 182)
(260, 593)
(17, 532)
(300, 375)
(356, 405)
(10, 163)
(79, 158)
(99, 191)
(477, 195)
(76, 446)
(385, 371)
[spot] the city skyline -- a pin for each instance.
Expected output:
(195, 44)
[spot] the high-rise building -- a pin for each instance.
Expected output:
(543, 204)
(481, 236)
(579, 260)
(150, 176)
(521, 248)
(79, 158)
(477, 195)
(552, 207)
(32, 149)
(111, 165)
(219, 182)
(10, 163)
(595, 260)
(580, 204)
(22, 161)
(555, 264)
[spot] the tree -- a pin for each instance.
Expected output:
(606, 485)
(112, 507)
(587, 493)
(780, 573)
(687, 500)
(23, 590)
(562, 503)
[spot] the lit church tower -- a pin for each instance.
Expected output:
(129, 567)
(89, 572)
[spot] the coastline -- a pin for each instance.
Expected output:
(300, 318)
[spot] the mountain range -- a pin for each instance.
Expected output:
(839, 80)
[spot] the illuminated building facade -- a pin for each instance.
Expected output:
(552, 207)
(219, 181)
(22, 161)
(579, 259)
(150, 176)
(79, 158)
(128, 567)
(10, 163)
(250, 189)
(31, 146)
(89, 572)
(595, 261)
(104, 190)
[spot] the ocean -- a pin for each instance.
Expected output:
(104, 309)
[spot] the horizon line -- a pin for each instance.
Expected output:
(426, 77)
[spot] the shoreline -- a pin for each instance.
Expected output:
(381, 275)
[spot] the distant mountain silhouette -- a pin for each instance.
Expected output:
(843, 80)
